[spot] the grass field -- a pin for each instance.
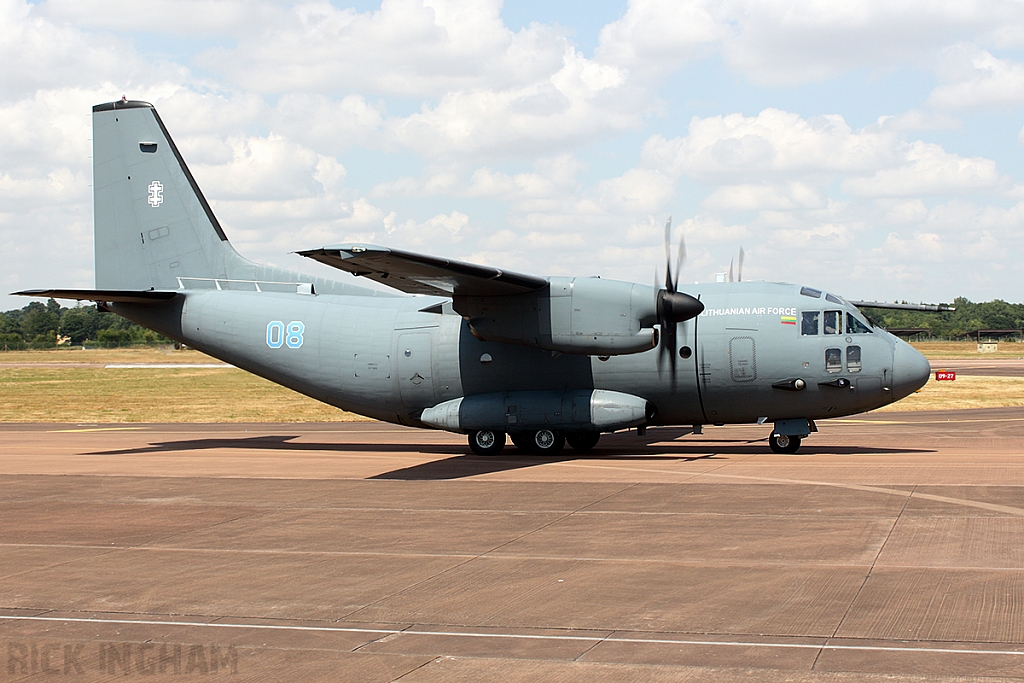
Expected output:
(34, 389)
(46, 393)
(950, 350)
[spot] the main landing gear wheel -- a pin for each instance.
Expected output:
(780, 443)
(583, 442)
(487, 441)
(547, 442)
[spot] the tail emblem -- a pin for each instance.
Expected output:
(156, 193)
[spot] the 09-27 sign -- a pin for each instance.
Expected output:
(947, 375)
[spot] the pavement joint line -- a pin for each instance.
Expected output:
(994, 507)
(527, 636)
(867, 576)
(922, 422)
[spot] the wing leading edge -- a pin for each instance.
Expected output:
(420, 274)
(118, 296)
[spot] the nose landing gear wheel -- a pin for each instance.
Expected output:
(583, 442)
(487, 441)
(780, 443)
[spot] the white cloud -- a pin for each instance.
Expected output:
(752, 197)
(162, 16)
(873, 161)
(975, 78)
(774, 142)
(657, 35)
(407, 47)
(263, 168)
(573, 104)
(927, 169)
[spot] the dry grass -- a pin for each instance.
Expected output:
(54, 394)
(950, 350)
(142, 354)
(966, 391)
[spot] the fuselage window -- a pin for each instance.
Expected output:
(834, 299)
(855, 326)
(833, 322)
(813, 293)
(853, 359)
(809, 322)
(833, 360)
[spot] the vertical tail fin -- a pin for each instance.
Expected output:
(152, 223)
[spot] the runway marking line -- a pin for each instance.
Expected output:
(524, 636)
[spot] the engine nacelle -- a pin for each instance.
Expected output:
(575, 410)
(572, 315)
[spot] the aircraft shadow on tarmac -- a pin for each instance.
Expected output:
(458, 464)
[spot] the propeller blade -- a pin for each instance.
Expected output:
(680, 259)
(730, 269)
(739, 270)
(669, 282)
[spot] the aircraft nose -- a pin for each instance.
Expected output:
(910, 370)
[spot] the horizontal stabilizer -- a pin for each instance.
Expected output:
(117, 296)
(930, 308)
(421, 274)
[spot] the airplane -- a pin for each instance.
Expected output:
(474, 349)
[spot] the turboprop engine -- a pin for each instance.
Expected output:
(579, 315)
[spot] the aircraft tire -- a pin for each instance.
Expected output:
(487, 441)
(784, 444)
(583, 442)
(547, 441)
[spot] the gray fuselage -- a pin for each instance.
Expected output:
(384, 357)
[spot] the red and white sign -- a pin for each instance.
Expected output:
(945, 375)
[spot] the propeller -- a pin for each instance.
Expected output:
(672, 305)
(739, 270)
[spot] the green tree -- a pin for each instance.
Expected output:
(80, 323)
(38, 319)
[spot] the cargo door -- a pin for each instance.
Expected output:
(415, 380)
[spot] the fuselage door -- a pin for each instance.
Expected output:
(415, 380)
(742, 363)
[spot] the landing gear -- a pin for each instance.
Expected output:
(781, 443)
(583, 442)
(540, 442)
(487, 441)
(547, 442)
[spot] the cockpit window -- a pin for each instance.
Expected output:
(833, 322)
(813, 293)
(834, 299)
(809, 322)
(855, 326)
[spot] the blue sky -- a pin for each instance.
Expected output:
(869, 148)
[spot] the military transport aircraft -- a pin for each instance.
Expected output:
(476, 350)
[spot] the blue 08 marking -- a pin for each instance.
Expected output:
(278, 335)
(295, 330)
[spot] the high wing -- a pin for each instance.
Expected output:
(104, 295)
(421, 274)
(930, 308)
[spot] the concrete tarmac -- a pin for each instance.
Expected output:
(890, 546)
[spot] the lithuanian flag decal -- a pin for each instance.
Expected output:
(787, 319)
